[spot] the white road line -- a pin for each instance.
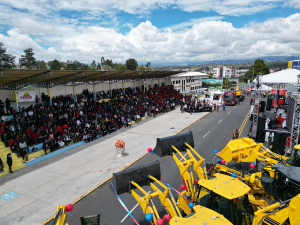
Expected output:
(131, 210)
(220, 121)
(206, 134)
(234, 106)
(229, 112)
(182, 158)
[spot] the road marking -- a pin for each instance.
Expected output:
(206, 133)
(220, 121)
(244, 122)
(234, 106)
(131, 210)
(184, 157)
(229, 112)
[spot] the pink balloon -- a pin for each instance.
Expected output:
(223, 161)
(238, 178)
(69, 207)
(167, 218)
(252, 166)
(149, 149)
(182, 187)
(196, 181)
(160, 222)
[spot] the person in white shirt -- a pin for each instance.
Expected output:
(30, 113)
(24, 145)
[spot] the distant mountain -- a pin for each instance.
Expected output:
(265, 58)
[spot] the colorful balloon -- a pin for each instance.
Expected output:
(148, 217)
(152, 153)
(69, 207)
(149, 149)
(160, 222)
(167, 218)
(215, 151)
(196, 181)
(252, 166)
(233, 175)
(218, 160)
(191, 205)
(182, 187)
(223, 161)
(254, 163)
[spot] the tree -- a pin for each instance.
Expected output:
(41, 65)
(98, 66)
(54, 65)
(102, 61)
(131, 64)
(28, 60)
(7, 61)
(259, 67)
(141, 68)
(148, 64)
(210, 75)
(93, 64)
(120, 67)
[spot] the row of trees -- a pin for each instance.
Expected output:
(7, 61)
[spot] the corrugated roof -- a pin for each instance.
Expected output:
(13, 79)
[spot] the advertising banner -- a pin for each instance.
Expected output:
(26, 96)
(212, 83)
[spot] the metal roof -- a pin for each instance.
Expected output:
(13, 79)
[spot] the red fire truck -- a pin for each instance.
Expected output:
(229, 98)
(281, 97)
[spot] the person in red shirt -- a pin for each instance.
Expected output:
(28, 130)
(58, 129)
(66, 126)
(2, 123)
(2, 130)
(34, 136)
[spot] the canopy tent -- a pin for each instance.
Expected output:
(283, 76)
(218, 92)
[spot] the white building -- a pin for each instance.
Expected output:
(228, 72)
(189, 82)
(241, 72)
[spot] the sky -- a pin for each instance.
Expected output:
(156, 31)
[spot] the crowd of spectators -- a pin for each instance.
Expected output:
(83, 117)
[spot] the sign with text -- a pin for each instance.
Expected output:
(26, 96)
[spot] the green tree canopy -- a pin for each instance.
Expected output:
(98, 66)
(120, 67)
(54, 65)
(259, 67)
(131, 64)
(148, 64)
(41, 65)
(93, 64)
(7, 61)
(28, 59)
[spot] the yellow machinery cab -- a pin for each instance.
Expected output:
(228, 196)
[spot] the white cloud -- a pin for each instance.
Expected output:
(51, 36)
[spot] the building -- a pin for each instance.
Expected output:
(228, 72)
(241, 72)
(189, 82)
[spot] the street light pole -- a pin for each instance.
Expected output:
(253, 74)
(222, 76)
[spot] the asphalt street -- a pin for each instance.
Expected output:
(210, 133)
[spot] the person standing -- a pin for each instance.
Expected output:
(9, 162)
(223, 106)
(1, 165)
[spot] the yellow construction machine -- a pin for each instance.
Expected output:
(131, 179)
(227, 194)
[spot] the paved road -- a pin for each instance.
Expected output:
(210, 133)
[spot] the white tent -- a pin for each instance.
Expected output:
(283, 76)
(218, 92)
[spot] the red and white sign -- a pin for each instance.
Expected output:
(26, 96)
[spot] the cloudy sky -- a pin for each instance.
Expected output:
(156, 31)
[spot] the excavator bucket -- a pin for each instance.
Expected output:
(140, 175)
(236, 149)
(164, 145)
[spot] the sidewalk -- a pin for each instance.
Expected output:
(62, 182)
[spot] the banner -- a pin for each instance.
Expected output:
(290, 113)
(212, 83)
(26, 96)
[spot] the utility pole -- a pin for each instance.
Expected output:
(253, 74)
